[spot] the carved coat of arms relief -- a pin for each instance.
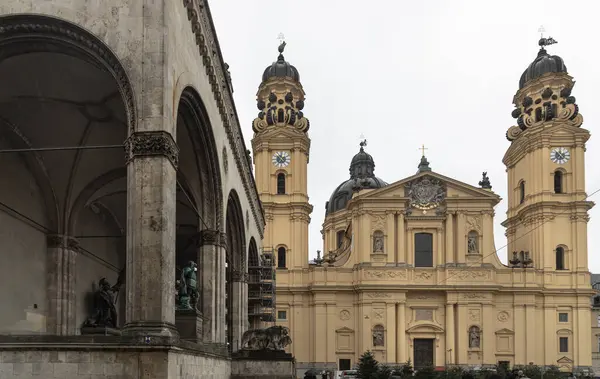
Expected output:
(426, 193)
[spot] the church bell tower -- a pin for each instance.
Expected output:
(281, 151)
(547, 203)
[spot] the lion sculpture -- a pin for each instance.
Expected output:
(272, 338)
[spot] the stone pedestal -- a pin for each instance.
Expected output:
(262, 364)
(189, 325)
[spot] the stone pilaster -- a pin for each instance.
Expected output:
(222, 293)
(62, 256)
(152, 158)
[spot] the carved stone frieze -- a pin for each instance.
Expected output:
(474, 295)
(153, 143)
(423, 314)
(503, 316)
(385, 274)
(378, 222)
(345, 315)
(378, 314)
(202, 27)
(225, 159)
(470, 275)
(474, 223)
(378, 295)
(475, 315)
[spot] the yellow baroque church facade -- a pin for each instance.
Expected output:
(409, 269)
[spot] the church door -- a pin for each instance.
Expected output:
(423, 352)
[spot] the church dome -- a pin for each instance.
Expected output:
(362, 176)
(281, 68)
(542, 64)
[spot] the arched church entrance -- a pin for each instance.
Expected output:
(66, 108)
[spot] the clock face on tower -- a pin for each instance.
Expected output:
(281, 159)
(560, 155)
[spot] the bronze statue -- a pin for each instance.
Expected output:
(272, 338)
(188, 287)
(105, 312)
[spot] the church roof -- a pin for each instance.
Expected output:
(362, 176)
(281, 68)
(544, 63)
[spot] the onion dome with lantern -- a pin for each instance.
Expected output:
(280, 97)
(362, 176)
(544, 94)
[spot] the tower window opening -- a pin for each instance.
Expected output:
(558, 181)
(280, 116)
(281, 253)
(522, 192)
(281, 184)
(340, 238)
(560, 258)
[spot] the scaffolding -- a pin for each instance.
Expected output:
(261, 290)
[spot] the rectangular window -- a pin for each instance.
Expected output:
(563, 344)
(345, 364)
(281, 315)
(563, 317)
(423, 250)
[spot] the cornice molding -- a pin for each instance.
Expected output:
(206, 38)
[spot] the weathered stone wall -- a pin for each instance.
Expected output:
(111, 365)
(22, 248)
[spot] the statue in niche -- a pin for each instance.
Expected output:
(378, 243)
(378, 337)
(472, 243)
(187, 287)
(474, 337)
(105, 312)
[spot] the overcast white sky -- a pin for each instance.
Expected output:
(439, 73)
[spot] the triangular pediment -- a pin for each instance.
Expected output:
(344, 329)
(452, 187)
(504, 331)
(565, 360)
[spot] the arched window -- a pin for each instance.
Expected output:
(281, 257)
(339, 238)
(521, 192)
(378, 335)
(558, 181)
(423, 250)
(280, 116)
(560, 258)
(281, 183)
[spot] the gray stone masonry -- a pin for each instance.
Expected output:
(84, 360)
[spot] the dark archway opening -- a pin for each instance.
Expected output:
(66, 108)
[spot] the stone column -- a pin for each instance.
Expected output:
(450, 339)
(237, 313)
(222, 290)
(461, 244)
(150, 284)
(208, 249)
(62, 255)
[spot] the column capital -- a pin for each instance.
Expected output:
(239, 276)
(208, 237)
(54, 241)
(152, 143)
